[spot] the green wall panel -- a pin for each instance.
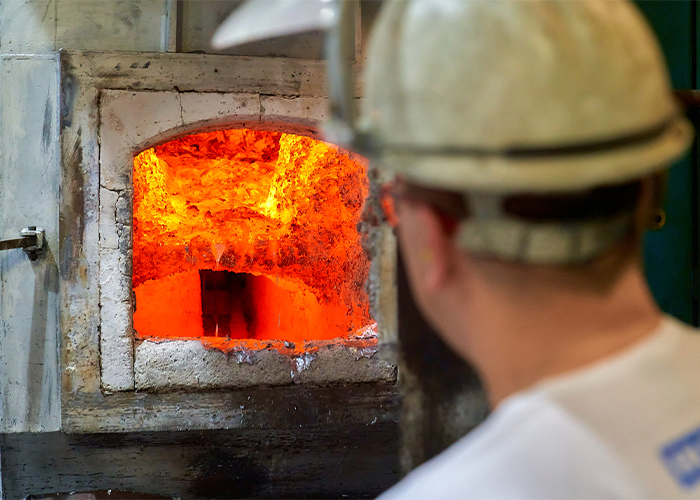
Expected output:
(669, 254)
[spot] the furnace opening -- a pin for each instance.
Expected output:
(246, 234)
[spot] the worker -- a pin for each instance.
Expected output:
(530, 142)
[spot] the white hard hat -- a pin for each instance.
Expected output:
(519, 96)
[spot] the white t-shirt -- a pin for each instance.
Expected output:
(625, 427)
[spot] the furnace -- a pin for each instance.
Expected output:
(236, 248)
(224, 380)
(248, 234)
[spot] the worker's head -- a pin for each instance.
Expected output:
(527, 134)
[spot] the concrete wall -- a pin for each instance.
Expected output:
(39, 26)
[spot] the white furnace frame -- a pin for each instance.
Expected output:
(55, 346)
(131, 121)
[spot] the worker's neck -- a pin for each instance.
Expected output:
(518, 337)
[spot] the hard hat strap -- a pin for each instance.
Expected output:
(492, 232)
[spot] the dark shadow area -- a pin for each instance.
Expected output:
(305, 455)
(226, 305)
(441, 395)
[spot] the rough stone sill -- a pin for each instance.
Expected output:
(171, 365)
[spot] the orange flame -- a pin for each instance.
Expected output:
(278, 211)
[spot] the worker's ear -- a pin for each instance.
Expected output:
(426, 243)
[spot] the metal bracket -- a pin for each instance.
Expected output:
(31, 240)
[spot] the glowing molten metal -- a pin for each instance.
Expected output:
(248, 234)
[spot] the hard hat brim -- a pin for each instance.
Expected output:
(257, 20)
(542, 174)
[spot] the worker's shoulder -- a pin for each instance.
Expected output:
(646, 392)
(528, 448)
(644, 405)
(663, 357)
(615, 429)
